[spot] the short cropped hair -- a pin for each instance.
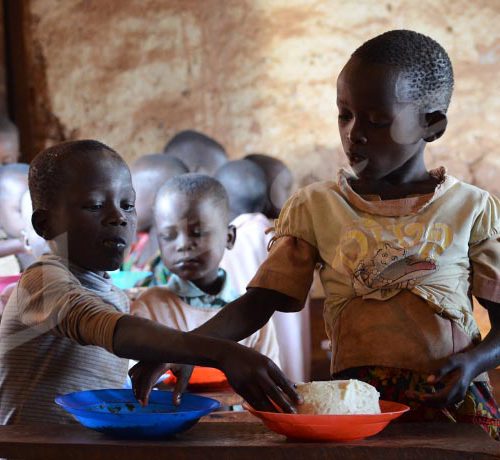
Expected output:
(158, 162)
(197, 151)
(196, 187)
(246, 185)
(425, 64)
(188, 136)
(48, 171)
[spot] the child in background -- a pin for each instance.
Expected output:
(200, 153)
(13, 184)
(246, 186)
(33, 243)
(192, 218)
(149, 173)
(66, 328)
(279, 182)
(9, 142)
(402, 248)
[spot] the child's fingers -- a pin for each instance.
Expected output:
(274, 389)
(440, 373)
(448, 366)
(257, 399)
(445, 397)
(141, 393)
(276, 394)
(285, 385)
(181, 384)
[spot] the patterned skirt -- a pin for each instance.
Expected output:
(479, 406)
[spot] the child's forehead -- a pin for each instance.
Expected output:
(369, 82)
(92, 160)
(180, 205)
(88, 175)
(191, 202)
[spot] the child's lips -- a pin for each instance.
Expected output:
(355, 158)
(186, 263)
(115, 243)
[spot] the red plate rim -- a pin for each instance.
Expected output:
(400, 409)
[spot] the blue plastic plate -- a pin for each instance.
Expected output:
(127, 280)
(116, 412)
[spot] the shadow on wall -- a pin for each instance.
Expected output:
(257, 75)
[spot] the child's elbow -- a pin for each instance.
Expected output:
(276, 300)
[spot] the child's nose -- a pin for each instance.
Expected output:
(356, 135)
(116, 217)
(184, 242)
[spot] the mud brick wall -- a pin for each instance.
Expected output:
(258, 75)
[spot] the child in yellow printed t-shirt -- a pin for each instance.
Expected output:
(402, 248)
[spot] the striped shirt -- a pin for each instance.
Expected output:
(56, 337)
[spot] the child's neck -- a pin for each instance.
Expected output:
(56, 252)
(411, 179)
(211, 284)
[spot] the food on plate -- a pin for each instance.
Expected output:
(338, 397)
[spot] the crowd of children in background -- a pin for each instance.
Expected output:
(203, 231)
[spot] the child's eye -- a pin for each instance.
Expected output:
(93, 207)
(198, 232)
(168, 236)
(128, 207)
(344, 116)
(379, 123)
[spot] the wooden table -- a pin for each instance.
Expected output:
(241, 437)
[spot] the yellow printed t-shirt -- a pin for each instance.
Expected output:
(398, 274)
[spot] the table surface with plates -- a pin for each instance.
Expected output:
(239, 435)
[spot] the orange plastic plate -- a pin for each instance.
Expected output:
(340, 428)
(202, 378)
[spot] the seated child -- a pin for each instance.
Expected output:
(13, 184)
(279, 182)
(66, 328)
(9, 142)
(33, 243)
(149, 172)
(402, 248)
(192, 218)
(200, 153)
(246, 187)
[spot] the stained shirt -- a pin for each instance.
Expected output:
(438, 249)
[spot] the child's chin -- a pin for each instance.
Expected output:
(109, 266)
(187, 275)
(114, 266)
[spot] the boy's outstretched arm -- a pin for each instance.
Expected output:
(247, 314)
(289, 266)
(235, 321)
(458, 371)
(255, 377)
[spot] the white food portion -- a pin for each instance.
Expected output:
(338, 397)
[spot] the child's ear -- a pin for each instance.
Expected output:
(231, 236)
(40, 222)
(436, 123)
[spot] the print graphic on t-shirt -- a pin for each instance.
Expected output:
(389, 256)
(391, 267)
